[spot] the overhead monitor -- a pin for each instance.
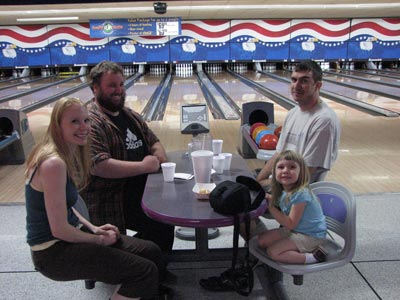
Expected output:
(194, 119)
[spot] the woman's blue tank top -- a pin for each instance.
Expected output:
(37, 223)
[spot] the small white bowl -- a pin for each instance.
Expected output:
(203, 190)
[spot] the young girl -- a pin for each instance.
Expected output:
(303, 227)
(64, 245)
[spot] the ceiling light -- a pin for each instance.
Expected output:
(47, 19)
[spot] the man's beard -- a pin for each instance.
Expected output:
(108, 104)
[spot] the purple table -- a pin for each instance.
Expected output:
(175, 203)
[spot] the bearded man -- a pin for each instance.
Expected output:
(124, 150)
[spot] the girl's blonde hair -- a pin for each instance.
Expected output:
(302, 181)
(53, 144)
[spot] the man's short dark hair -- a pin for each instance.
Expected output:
(312, 66)
(103, 67)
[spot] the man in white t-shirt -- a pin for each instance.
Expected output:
(312, 128)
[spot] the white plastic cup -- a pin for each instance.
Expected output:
(217, 146)
(227, 161)
(218, 164)
(202, 164)
(168, 170)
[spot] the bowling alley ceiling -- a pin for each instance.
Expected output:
(73, 11)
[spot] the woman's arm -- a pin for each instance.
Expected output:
(53, 179)
(93, 228)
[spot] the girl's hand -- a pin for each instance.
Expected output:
(268, 198)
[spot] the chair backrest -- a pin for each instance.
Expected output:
(339, 207)
(81, 207)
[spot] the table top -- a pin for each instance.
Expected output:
(175, 203)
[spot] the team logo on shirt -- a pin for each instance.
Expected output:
(132, 141)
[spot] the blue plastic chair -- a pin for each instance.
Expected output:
(339, 207)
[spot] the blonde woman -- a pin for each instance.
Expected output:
(64, 245)
(300, 215)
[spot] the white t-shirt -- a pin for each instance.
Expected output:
(314, 134)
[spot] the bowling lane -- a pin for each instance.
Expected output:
(140, 93)
(395, 73)
(34, 97)
(184, 90)
(84, 95)
(378, 77)
(20, 88)
(391, 71)
(359, 83)
(379, 101)
(241, 93)
(16, 80)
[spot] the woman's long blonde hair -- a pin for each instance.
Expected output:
(53, 144)
(302, 181)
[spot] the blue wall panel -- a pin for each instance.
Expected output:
(139, 49)
(374, 39)
(205, 40)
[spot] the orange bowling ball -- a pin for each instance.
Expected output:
(268, 142)
(277, 131)
(254, 126)
(257, 130)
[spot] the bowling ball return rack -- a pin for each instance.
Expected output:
(249, 148)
